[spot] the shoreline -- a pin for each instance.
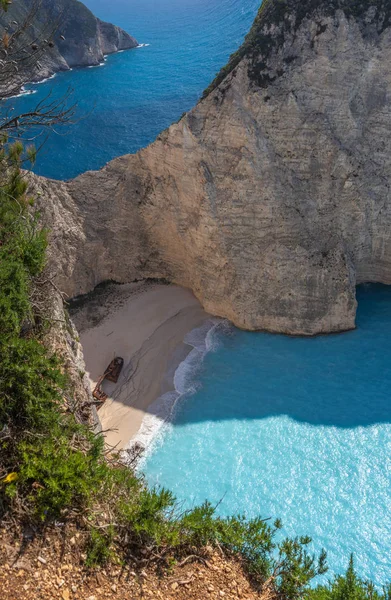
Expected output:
(42, 79)
(184, 366)
(148, 325)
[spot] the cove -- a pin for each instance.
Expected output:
(293, 428)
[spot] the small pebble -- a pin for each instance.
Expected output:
(65, 594)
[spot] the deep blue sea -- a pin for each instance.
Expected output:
(125, 104)
(285, 427)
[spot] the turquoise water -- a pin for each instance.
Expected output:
(138, 93)
(294, 428)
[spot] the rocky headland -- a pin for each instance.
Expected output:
(271, 198)
(70, 32)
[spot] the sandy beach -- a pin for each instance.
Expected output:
(146, 325)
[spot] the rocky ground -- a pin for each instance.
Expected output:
(52, 567)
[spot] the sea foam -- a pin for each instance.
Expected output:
(23, 92)
(161, 413)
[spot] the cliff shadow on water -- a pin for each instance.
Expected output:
(337, 380)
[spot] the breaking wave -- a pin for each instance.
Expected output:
(161, 413)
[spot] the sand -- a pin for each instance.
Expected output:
(145, 324)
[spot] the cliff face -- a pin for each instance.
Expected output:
(87, 39)
(80, 39)
(271, 198)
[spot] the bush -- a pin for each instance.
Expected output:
(99, 549)
(57, 462)
(349, 587)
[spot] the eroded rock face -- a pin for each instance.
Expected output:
(271, 198)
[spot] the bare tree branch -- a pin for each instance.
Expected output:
(46, 114)
(23, 43)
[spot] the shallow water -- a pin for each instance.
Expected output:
(294, 428)
(138, 93)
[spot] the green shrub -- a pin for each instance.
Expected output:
(66, 475)
(58, 462)
(99, 549)
(349, 587)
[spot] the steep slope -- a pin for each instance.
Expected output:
(271, 198)
(79, 38)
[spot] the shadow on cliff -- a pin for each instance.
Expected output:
(341, 380)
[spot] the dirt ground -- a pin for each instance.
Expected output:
(51, 567)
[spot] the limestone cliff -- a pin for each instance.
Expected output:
(79, 38)
(271, 198)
